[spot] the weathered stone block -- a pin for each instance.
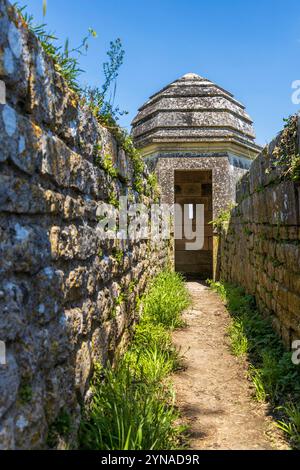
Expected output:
(243, 188)
(282, 204)
(83, 367)
(30, 420)
(7, 436)
(73, 242)
(47, 295)
(14, 53)
(17, 195)
(24, 248)
(13, 297)
(9, 131)
(76, 283)
(256, 175)
(59, 391)
(9, 384)
(293, 302)
(295, 324)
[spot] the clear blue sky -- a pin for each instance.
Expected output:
(251, 48)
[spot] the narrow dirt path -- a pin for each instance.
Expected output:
(213, 393)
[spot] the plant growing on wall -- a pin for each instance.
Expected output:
(287, 151)
(223, 218)
(66, 59)
(101, 100)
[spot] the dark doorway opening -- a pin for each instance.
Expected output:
(194, 187)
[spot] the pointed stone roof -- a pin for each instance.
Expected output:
(193, 109)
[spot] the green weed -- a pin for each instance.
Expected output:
(25, 393)
(127, 414)
(166, 299)
(239, 342)
(291, 426)
(65, 59)
(223, 217)
(118, 255)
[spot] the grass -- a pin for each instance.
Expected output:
(133, 403)
(166, 300)
(292, 426)
(65, 59)
(275, 378)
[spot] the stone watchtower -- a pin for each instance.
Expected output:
(199, 140)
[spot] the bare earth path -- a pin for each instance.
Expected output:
(213, 393)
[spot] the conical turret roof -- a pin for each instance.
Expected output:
(193, 109)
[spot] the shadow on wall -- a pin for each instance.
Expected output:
(260, 246)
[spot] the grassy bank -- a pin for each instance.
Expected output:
(133, 403)
(275, 378)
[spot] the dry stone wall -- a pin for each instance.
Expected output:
(67, 299)
(260, 249)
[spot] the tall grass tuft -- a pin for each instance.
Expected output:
(166, 300)
(274, 376)
(133, 403)
(129, 414)
(291, 426)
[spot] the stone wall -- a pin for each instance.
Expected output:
(260, 249)
(166, 165)
(67, 298)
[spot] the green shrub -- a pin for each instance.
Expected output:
(66, 61)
